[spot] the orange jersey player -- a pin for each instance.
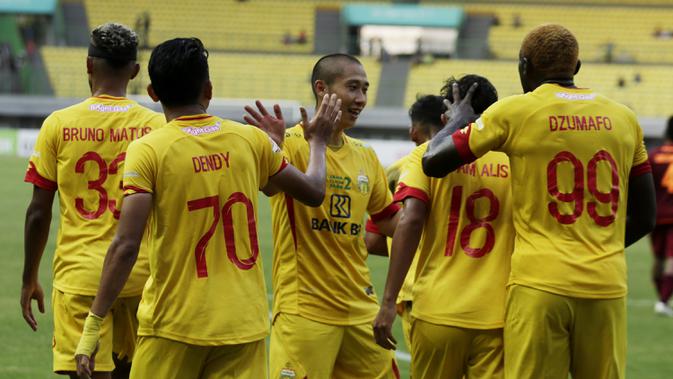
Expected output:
(324, 300)
(194, 184)
(571, 192)
(80, 152)
(661, 160)
(463, 223)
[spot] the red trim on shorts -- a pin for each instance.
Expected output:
(371, 227)
(405, 192)
(461, 139)
(396, 371)
(32, 176)
(282, 166)
(640, 169)
(289, 203)
(387, 212)
(137, 189)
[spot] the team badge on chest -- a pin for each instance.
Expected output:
(363, 183)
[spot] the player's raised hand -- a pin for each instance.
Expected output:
(461, 109)
(383, 326)
(274, 126)
(325, 121)
(30, 292)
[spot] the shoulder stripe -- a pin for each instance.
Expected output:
(405, 192)
(32, 176)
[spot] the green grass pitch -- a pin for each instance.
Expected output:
(27, 354)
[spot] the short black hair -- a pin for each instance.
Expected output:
(669, 129)
(326, 70)
(115, 40)
(484, 95)
(428, 110)
(178, 70)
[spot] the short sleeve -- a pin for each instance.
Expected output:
(42, 167)
(272, 158)
(380, 204)
(641, 164)
(413, 182)
(488, 132)
(140, 168)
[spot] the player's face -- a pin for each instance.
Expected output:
(351, 87)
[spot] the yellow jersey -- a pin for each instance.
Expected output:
(467, 242)
(80, 152)
(319, 262)
(393, 174)
(571, 152)
(206, 284)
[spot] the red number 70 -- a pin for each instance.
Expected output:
(228, 226)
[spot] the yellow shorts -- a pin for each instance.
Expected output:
(442, 351)
(549, 336)
(158, 357)
(118, 332)
(404, 310)
(305, 348)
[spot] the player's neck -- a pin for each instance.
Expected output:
(186, 110)
(336, 141)
(110, 87)
(570, 83)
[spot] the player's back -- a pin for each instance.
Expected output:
(661, 159)
(467, 238)
(206, 283)
(80, 151)
(571, 153)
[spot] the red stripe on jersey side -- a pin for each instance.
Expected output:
(289, 203)
(282, 167)
(461, 140)
(32, 176)
(640, 169)
(405, 191)
(387, 212)
(371, 227)
(396, 371)
(136, 189)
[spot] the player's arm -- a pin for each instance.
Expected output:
(641, 208)
(120, 258)
(375, 242)
(442, 156)
(405, 242)
(309, 187)
(36, 233)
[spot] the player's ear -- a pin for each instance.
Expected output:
(151, 93)
(444, 119)
(89, 65)
(208, 90)
(320, 88)
(577, 67)
(136, 70)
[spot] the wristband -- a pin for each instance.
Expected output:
(90, 335)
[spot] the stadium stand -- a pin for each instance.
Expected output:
(637, 86)
(234, 75)
(607, 34)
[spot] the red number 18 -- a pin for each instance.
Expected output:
(475, 223)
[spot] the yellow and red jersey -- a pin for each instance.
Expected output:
(206, 284)
(319, 266)
(80, 152)
(661, 160)
(467, 242)
(571, 153)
